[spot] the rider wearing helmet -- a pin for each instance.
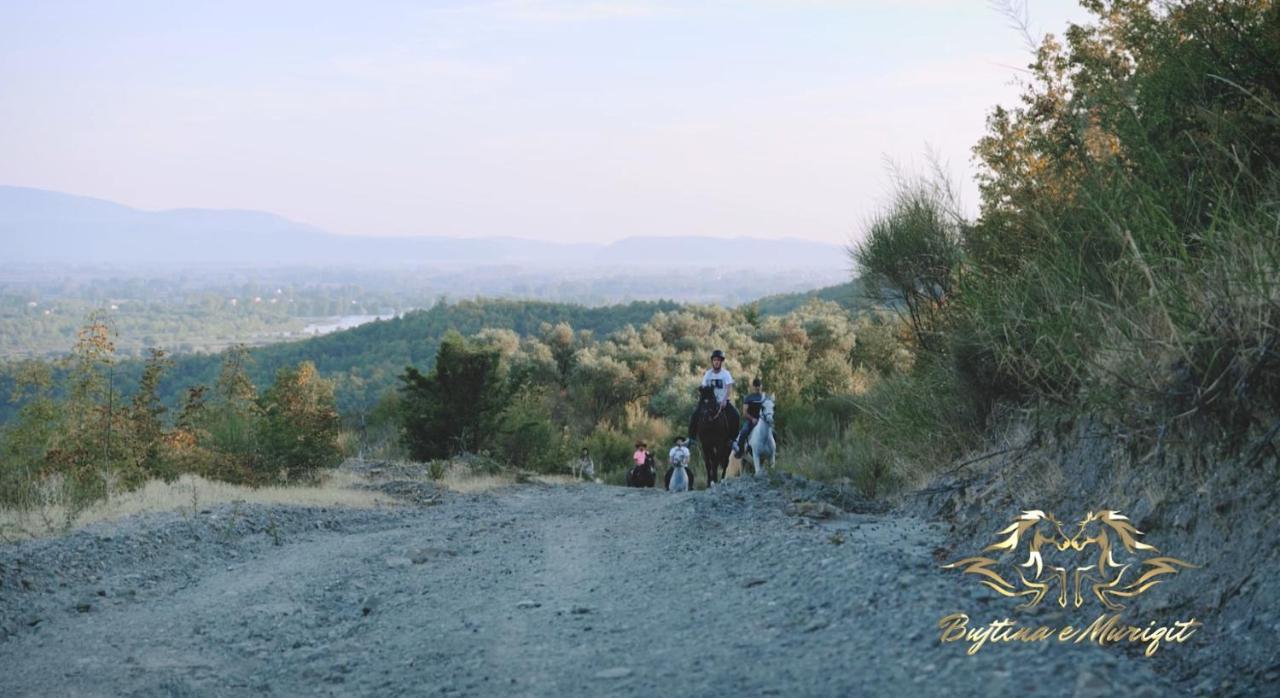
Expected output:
(720, 380)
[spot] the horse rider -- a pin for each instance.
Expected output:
(752, 404)
(639, 455)
(721, 381)
(678, 456)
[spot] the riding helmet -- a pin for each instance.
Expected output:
(717, 354)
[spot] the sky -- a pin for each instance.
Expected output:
(544, 119)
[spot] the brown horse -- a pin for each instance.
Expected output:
(716, 428)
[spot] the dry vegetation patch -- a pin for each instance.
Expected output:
(189, 494)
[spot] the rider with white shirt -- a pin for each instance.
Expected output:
(720, 380)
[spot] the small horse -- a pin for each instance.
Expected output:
(761, 442)
(642, 476)
(715, 431)
(678, 478)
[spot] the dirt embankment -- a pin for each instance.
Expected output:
(755, 588)
(1217, 512)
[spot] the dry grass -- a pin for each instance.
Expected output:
(459, 478)
(190, 493)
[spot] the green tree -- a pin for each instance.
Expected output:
(452, 409)
(298, 431)
(912, 255)
(25, 441)
(146, 417)
(91, 443)
(527, 437)
(230, 420)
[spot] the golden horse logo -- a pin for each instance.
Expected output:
(1094, 542)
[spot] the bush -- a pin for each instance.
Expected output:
(1126, 260)
(611, 450)
(528, 438)
(911, 254)
(298, 432)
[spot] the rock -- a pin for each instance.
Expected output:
(1205, 687)
(579, 610)
(421, 555)
(619, 672)
(528, 603)
(84, 607)
(753, 582)
(396, 562)
(1090, 684)
(817, 624)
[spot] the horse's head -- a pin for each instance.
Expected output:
(766, 410)
(706, 395)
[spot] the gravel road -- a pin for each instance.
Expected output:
(527, 590)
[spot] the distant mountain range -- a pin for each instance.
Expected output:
(40, 226)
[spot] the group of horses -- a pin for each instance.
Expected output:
(716, 432)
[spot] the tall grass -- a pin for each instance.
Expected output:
(1123, 312)
(890, 438)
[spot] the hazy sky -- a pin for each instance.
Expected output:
(547, 119)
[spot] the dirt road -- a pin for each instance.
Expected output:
(530, 590)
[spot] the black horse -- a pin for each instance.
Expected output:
(642, 475)
(715, 428)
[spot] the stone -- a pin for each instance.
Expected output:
(619, 672)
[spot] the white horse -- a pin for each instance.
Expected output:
(679, 479)
(761, 441)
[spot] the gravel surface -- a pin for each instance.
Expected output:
(754, 588)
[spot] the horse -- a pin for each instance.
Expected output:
(679, 478)
(642, 476)
(715, 429)
(761, 442)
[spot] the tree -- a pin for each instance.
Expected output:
(90, 444)
(298, 432)
(25, 441)
(601, 386)
(230, 421)
(913, 251)
(146, 413)
(452, 409)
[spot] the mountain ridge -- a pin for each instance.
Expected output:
(40, 225)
